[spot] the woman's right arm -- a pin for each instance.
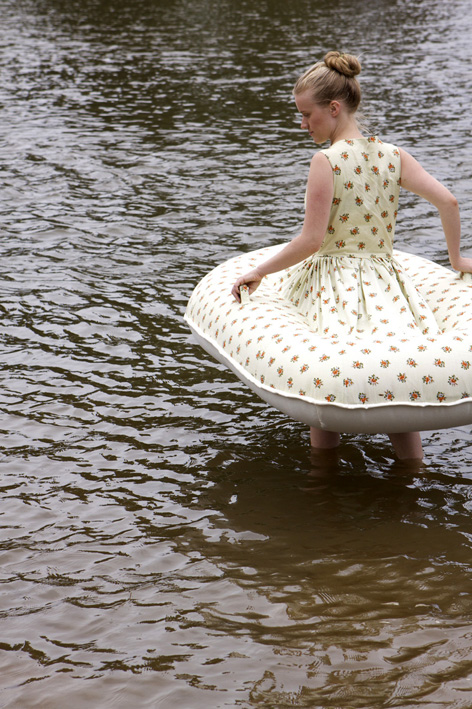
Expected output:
(319, 198)
(415, 179)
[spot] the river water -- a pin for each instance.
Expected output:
(167, 539)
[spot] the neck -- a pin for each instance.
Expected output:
(346, 129)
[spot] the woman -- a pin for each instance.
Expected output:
(351, 285)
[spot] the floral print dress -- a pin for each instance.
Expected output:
(358, 337)
(353, 286)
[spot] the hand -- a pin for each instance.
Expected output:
(251, 279)
(464, 265)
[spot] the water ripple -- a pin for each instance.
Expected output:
(168, 540)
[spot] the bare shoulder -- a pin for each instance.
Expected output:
(320, 166)
(412, 173)
(416, 179)
(407, 159)
(320, 183)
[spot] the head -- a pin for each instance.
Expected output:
(332, 79)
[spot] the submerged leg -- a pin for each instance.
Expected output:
(407, 445)
(323, 439)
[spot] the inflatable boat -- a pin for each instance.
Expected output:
(414, 383)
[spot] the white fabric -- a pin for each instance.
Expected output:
(416, 382)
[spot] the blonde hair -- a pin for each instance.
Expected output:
(333, 79)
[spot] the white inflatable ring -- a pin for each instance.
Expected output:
(419, 383)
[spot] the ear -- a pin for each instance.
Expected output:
(334, 108)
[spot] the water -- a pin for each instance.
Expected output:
(167, 539)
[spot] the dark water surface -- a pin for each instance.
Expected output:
(167, 539)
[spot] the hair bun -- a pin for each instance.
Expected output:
(345, 64)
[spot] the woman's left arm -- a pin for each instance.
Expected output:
(415, 179)
(319, 198)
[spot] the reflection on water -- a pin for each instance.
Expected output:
(167, 539)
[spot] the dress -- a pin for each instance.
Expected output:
(353, 286)
(357, 337)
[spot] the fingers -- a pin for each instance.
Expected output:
(235, 289)
(235, 293)
(251, 279)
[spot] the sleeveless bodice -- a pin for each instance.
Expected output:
(352, 285)
(366, 175)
